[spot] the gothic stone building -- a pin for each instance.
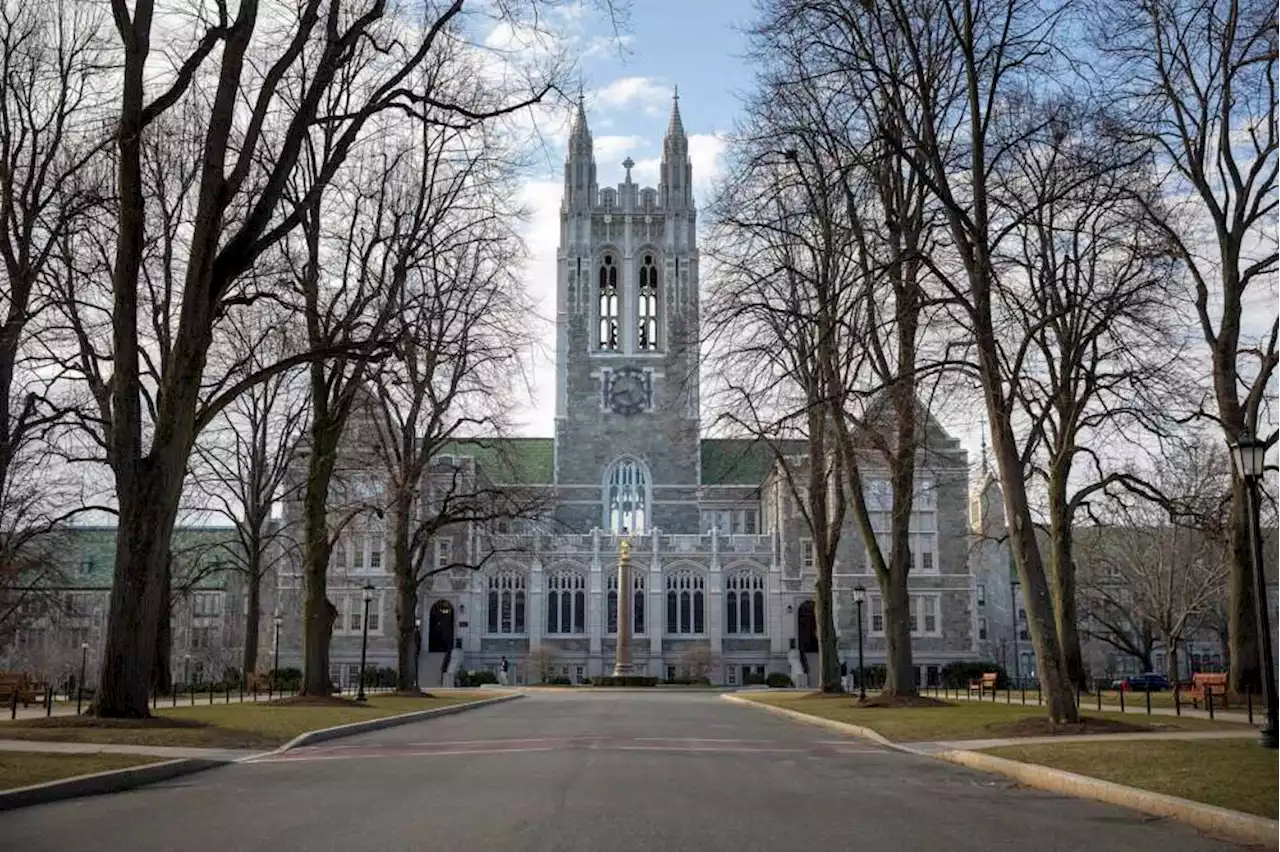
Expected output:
(720, 559)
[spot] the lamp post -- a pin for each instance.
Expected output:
(1250, 455)
(860, 595)
(364, 639)
(276, 621)
(417, 652)
(1013, 620)
(186, 671)
(84, 658)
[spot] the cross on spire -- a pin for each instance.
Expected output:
(627, 164)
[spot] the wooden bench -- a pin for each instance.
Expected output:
(987, 683)
(18, 685)
(1208, 685)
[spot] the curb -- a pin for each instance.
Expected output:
(832, 724)
(1220, 822)
(352, 728)
(111, 781)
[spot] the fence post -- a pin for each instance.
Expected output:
(48, 701)
(1208, 698)
(1122, 691)
(1039, 694)
(1148, 691)
(1177, 698)
(1248, 699)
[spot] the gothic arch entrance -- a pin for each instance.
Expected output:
(440, 627)
(807, 628)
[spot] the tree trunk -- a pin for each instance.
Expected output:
(899, 668)
(1060, 698)
(828, 647)
(406, 595)
(317, 621)
(1062, 578)
(253, 614)
(148, 505)
(1242, 623)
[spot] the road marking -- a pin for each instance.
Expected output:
(694, 740)
(299, 758)
(491, 742)
(721, 749)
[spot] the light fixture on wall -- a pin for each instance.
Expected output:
(462, 609)
(789, 609)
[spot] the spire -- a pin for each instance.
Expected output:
(579, 132)
(986, 468)
(676, 127)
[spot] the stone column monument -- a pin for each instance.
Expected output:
(622, 662)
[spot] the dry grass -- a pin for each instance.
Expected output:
(24, 768)
(1236, 774)
(225, 725)
(968, 719)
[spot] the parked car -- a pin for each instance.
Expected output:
(1142, 682)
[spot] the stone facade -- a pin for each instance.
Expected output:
(708, 523)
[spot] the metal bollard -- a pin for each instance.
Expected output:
(1248, 700)
(1122, 691)
(1148, 691)
(1039, 695)
(1098, 690)
(1208, 698)
(1177, 699)
(228, 686)
(48, 701)
(1008, 694)
(173, 693)
(210, 692)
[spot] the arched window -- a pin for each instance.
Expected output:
(744, 603)
(566, 603)
(608, 303)
(626, 497)
(506, 601)
(647, 337)
(686, 602)
(637, 603)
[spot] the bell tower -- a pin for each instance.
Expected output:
(627, 331)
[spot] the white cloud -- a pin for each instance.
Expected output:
(648, 94)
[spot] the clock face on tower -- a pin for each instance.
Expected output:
(628, 391)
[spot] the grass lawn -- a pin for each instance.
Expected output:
(963, 719)
(223, 725)
(24, 768)
(1236, 774)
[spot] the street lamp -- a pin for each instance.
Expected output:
(1250, 457)
(417, 652)
(276, 620)
(1013, 620)
(186, 671)
(364, 640)
(860, 595)
(84, 658)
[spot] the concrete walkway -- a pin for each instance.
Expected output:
(171, 752)
(977, 745)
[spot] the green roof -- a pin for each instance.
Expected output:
(740, 461)
(90, 554)
(522, 461)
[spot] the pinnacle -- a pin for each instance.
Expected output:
(676, 127)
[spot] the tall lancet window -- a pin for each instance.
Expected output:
(608, 303)
(648, 308)
(626, 497)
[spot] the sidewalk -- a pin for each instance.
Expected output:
(1089, 704)
(225, 755)
(978, 745)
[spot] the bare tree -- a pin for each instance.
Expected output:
(541, 663)
(242, 463)
(462, 332)
(1197, 80)
(272, 84)
(1154, 567)
(50, 59)
(775, 300)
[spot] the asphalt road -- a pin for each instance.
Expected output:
(592, 772)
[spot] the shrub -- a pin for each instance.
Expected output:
(623, 680)
(957, 675)
(476, 678)
(384, 677)
(778, 680)
(688, 681)
(285, 679)
(559, 681)
(754, 679)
